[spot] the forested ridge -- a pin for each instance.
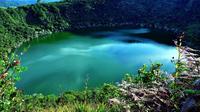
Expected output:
(173, 15)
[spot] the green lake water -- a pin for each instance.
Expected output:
(64, 61)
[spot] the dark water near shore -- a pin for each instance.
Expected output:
(63, 61)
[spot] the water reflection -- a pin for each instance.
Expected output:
(65, 63)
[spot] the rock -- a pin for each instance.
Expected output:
(190, 58)
(134, 97)
(114, 101)
(127, 108)
(170, 78)
(178, 82)
(185, 73)
(190, 105)
(196, 84)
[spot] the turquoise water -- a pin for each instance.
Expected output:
(64, 61)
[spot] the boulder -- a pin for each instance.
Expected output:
(190, 105)
(114, 101)
(196, 84)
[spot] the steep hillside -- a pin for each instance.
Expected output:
(27, 22)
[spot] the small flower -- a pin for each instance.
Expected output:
(16, 63)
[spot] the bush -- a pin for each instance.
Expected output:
(10, 98)
(147, 75)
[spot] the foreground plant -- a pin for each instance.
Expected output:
(145, 92)
(10, 97)
(185, 85)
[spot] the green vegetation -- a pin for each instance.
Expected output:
(10, 97)
(22, 24)
(148, 76)
(25, 23)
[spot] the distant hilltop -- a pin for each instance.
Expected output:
(15, 3)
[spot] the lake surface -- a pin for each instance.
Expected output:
(64, 61)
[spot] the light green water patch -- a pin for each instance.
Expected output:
(64, 61)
